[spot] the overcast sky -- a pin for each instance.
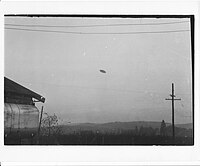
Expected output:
(140, 68)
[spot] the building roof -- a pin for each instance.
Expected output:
(13, 87)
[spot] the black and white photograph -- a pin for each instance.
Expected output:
(99, 80)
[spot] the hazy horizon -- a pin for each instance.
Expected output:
(73, 123)
(140, 68)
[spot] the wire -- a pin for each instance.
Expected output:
(86, 87)
(96, 25)
(99, 88)
(99, 33)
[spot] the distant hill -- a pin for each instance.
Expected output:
(122, 125)
(127, 125)
(132, 125)
(117, 126)
(186, 126)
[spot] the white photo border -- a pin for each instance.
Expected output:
(104, 154)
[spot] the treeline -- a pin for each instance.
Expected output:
(144, 136)
(91, 138)
(137, 131)
(53, 134)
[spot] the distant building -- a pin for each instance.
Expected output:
(20, 112)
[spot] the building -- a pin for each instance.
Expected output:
(20, 113)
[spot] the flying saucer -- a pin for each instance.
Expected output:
(102, 71)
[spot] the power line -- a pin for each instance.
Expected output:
(100, 88)
(99, 33)
(96, 88)
(94, 25)
(185, 94)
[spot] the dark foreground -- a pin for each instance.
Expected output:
(17, 138)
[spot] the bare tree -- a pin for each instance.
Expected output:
(50, 126)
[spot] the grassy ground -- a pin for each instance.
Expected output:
(30, 138)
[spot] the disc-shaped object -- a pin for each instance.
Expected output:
(102, 71)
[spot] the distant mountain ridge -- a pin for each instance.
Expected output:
(186, 125)
(125, 125)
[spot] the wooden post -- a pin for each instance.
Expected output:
(173, 129)
(40, 125)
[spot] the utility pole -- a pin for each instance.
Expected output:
(40, 125)
(173, 99)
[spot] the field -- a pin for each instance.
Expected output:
(116, 133)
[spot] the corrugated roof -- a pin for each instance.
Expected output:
(13, 87)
